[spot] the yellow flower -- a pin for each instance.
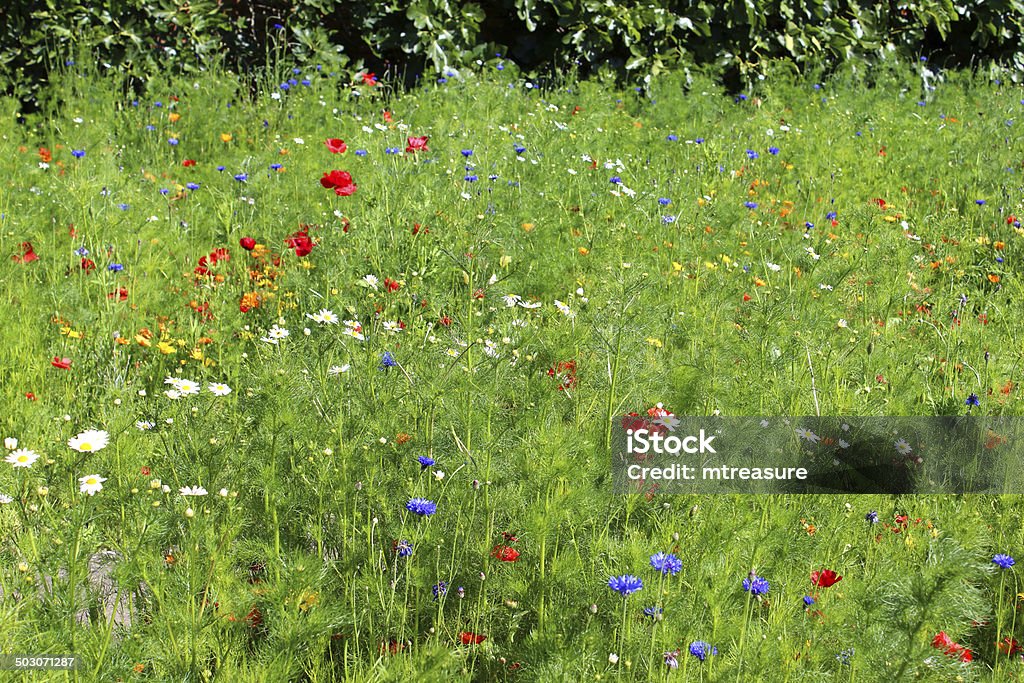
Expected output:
(173, 117)
(308, 600)
(165, 348)
(225, 137)
(656, 343)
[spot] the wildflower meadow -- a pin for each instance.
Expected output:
(309, 376)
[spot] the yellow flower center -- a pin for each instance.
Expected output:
(22, 458)
(85, 446)
(91, 481)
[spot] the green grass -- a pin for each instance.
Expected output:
(293, 574)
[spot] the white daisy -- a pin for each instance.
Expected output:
(172, 394)
(187, 387)
(89, 441)
(91, 484)
(902, 447)
(511, 299)
(219, 389)
(192, 491)
(565, 310)
(372, 282)
(10, 443)
(275, 334)
(530, 304)
(807, 435)
(392, 326)
(5, 499)
(22, 457)
(338, 369)
(324, 317)
(144, 425)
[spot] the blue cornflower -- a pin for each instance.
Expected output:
(702, 650)
(173, 142)
(387, 361)
(192, 186)
(82, 251)
(115, 267)
(493, 176)
(751, 154)
(615, 180)
(773, 151)
(421, 506)
(625, 584)
(664, 201)
(845, 656)
(425, 461)
(306, 82)
(360, 152)
(158, 104)
(439, 589)
(164, 191)
(741, 97)
(284, 86)
(403, 548)
(750, 205)
(467, 153)
(276, 167)
(123, 207)
(808, 600)
(979, 202)
(666, 563)
(519, 149)
(831, 215)
(921, 103)
(500, 67)
(972, 401)
(78, 153)
(471, 178)
(699, 141)
(221, 168)
(1004, 561)
(871, 517)
(392, 150)
(242, 177)
(808, 225)
(672, 138)
(756, 585)
(668, 219)
(653, 612)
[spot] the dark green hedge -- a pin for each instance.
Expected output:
(417, 36)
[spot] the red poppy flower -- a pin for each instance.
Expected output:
(505, 553)
(370, 78)
(88, 265)
(247, 243)
(340, 182)
(825, 578)
(120, 295)
(469, 638)
(45, 155)
(144, 470)
(28, 254)
(445, 321)
(943, 642)
(387, 116)
(61, 363)
(417, 143)
(336, 145)
(392, 285)
(187, 163)
(30, 396)
(301, 242)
